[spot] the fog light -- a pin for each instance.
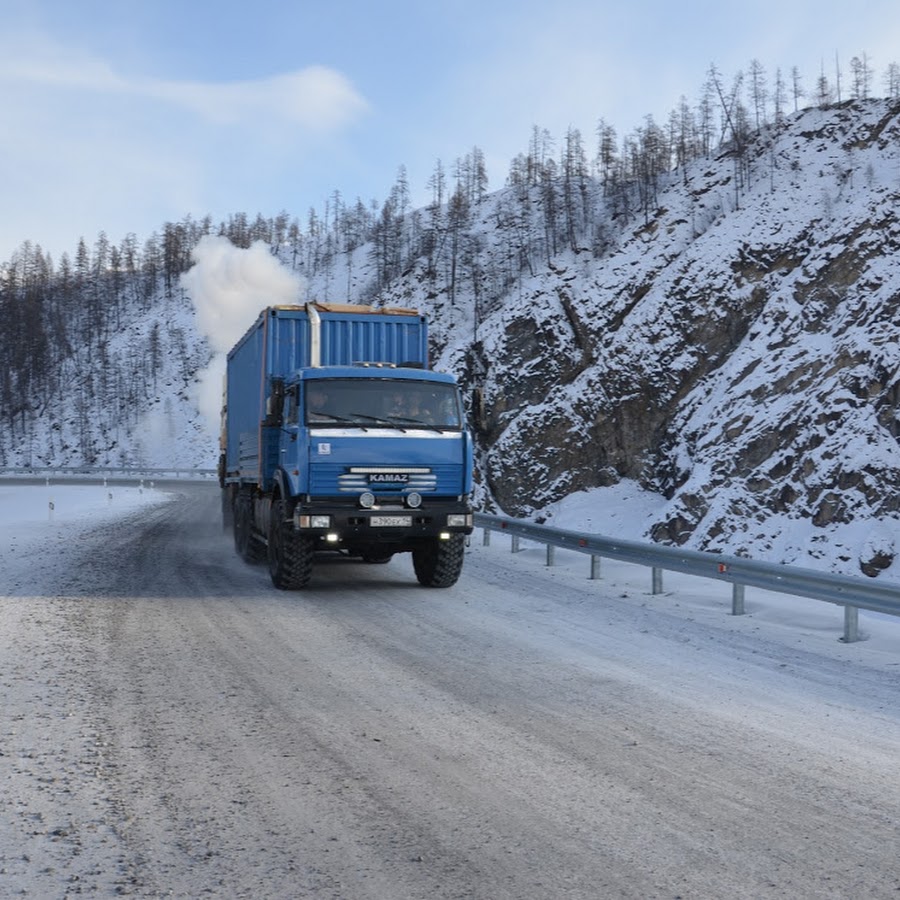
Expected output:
(332, 538)
(445, 535)
(413, 499)
(366, 499)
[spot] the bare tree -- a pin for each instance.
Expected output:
(758, 92)
(457, 220)
(796, 87)
(824, 94)
(479, 174)
(433, 233)
(861, 74)
(471, 175)
(605, 160)
(705, 110)
(778, 97)
(682, 136)
(892, 81)
(735, 124)
(837, 77)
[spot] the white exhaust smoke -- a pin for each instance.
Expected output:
(228, 287)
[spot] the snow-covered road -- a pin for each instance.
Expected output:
(174, 726)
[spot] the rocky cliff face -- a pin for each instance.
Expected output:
(737, 352)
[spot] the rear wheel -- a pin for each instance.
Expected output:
(290, 554)
(227, 510)
(246, 542)
(439, 563)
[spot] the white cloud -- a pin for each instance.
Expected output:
(98, 149)
(315, 97)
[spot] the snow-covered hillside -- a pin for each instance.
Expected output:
(736, 353)
(719, 342)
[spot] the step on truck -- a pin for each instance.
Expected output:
(337, 437)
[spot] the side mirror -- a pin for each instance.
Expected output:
(275, 403)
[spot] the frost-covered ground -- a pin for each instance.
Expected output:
(628, 511)
(41, 524)
(55, 755)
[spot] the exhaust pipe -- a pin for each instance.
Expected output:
(315, 336)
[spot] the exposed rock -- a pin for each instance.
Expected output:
(748, 369)
(875, 564)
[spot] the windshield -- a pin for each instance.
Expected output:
(396, 403)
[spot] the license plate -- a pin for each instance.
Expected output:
(390, 521)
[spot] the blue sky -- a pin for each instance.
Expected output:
(119, 115)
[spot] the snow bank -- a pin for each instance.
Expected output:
(40, 525)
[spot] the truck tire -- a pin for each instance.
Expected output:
(227, 510)
(246, 543)
(439, 563)
(290, 554)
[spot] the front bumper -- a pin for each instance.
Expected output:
(382, 524)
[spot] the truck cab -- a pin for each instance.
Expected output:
(370, 458)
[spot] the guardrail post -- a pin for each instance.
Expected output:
(851, 624)
(486, 538)
(853, 593)
(737, 599)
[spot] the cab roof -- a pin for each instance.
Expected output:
(373, 370)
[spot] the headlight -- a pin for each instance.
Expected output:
(366, 499)
(459, 520)
(313, 521)
(413, 499)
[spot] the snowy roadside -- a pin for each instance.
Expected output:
(50, 745)
(797, 622)
(40, 525)
(67, 817)
(628, 511)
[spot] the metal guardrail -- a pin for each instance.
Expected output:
(851, 593)
(97, 472)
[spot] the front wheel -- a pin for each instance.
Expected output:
(439, 562)
(290, 554)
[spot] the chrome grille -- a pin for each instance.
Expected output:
(357, 482)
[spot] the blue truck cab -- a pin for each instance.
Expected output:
(337, 437)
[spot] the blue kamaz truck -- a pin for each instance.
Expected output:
(337, 437)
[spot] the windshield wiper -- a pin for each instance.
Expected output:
(331, 418)
(377, 419)
(419, 423)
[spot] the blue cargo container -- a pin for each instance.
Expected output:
(336, 436)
